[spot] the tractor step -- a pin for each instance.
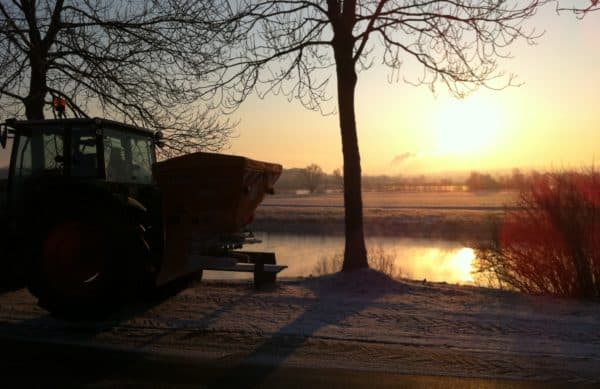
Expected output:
(261, 264)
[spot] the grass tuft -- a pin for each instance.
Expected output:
(380, 259)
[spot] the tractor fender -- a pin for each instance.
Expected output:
(137, 212)
(133, 203)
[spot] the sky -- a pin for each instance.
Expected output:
(551, 121)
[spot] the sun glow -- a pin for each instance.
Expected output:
(466, 126)
(462, 263)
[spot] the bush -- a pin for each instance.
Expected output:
(328, 265)
(550, 243)
(379, 259)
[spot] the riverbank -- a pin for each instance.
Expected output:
(458, 225)
(361, 321)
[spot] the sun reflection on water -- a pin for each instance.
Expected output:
(462, 263)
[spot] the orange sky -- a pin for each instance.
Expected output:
(551, 121)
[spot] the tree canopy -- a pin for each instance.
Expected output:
(289, 47)
(581, 8)
(593, 5)
(139, 62)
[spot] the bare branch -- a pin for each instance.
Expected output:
(290, 47)
(581, 11)
(140, 62)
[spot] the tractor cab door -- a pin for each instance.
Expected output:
(35, 153)
(45, 154)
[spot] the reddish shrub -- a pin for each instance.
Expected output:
(551, 243)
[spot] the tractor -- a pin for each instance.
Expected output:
(91, 217)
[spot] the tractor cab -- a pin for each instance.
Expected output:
(78, 149)
(93, 151)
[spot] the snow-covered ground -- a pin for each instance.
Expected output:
(359, 321)
(447, 215)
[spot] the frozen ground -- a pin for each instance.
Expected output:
(358, 321)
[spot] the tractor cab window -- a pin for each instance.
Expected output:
(39, 151)
(84, 153)
(128, 157)
(142, 157)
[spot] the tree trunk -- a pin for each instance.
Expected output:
(355, 253)
(34, 102)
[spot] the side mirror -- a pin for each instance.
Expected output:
(3, 135)
(159, 139)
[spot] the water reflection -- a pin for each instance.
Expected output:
(462, 262)
(434, 260)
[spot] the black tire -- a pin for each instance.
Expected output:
(74, 268)
(86, 226)
(139, 278)
(88, 264)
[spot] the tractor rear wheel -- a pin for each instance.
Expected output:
(75, 260)
(87, 267)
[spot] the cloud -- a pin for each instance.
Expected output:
(400, 158)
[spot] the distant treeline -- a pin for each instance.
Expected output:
(517, 180)
(314, 179)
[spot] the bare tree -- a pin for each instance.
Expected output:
(338, 179)
(549, 243)
(581, 9)
(295, 47)
(593, 6)
(313, 177)
(140, 62)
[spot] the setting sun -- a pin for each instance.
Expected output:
(465, 126)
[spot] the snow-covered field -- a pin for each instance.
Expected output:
(358, 321)
(446, 215)
(449, 200)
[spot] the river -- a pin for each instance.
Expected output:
(312, 255)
